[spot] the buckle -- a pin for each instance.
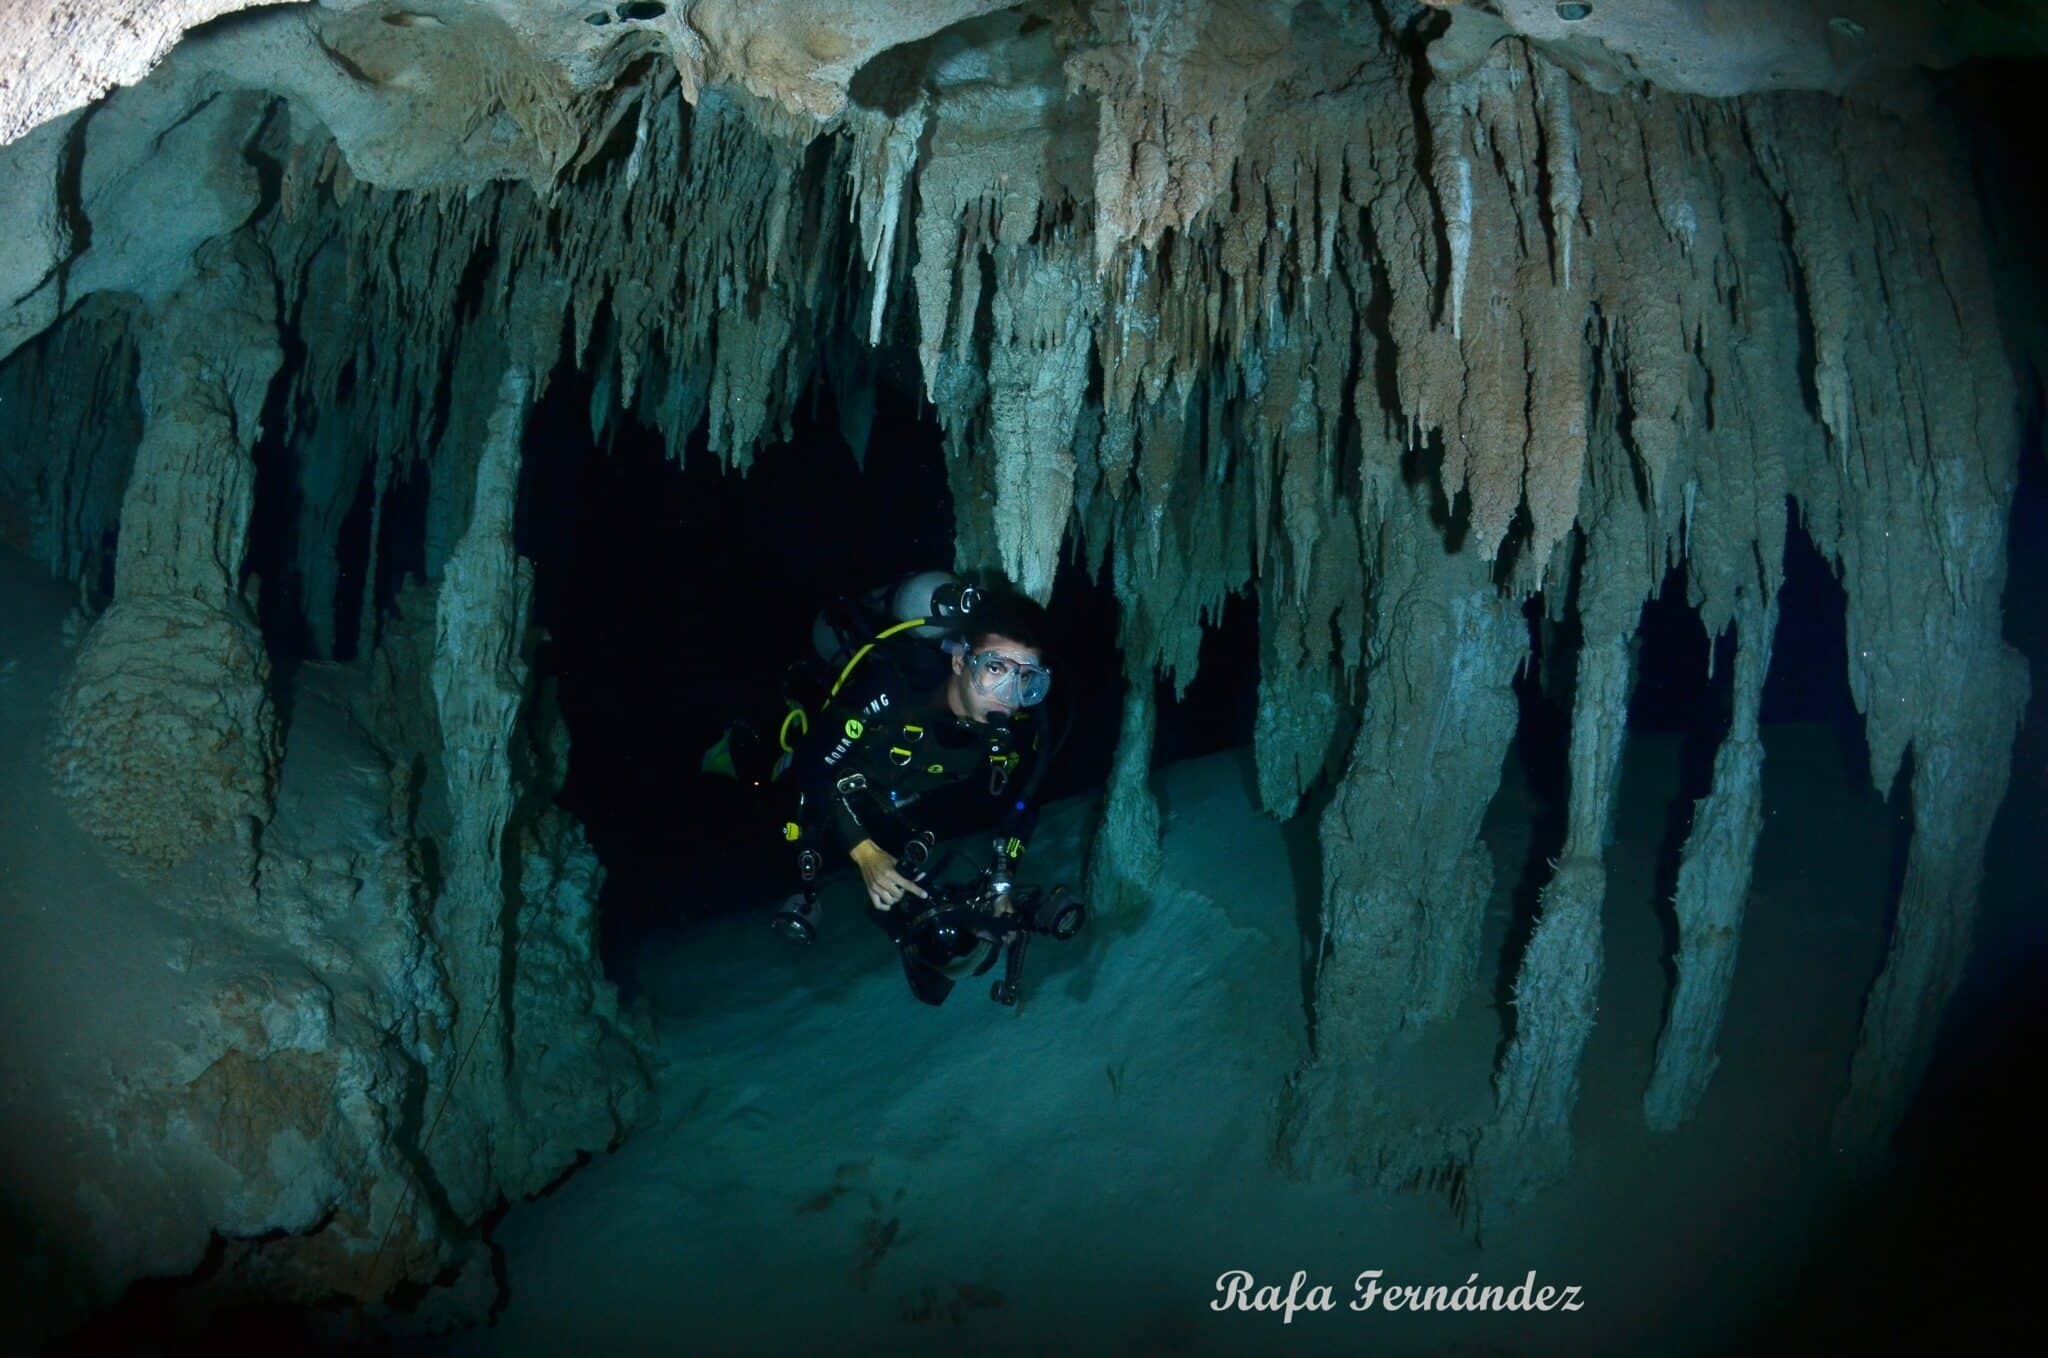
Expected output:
(852, 782)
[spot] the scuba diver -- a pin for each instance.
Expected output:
(943, 690)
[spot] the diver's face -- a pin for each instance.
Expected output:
(965, 697)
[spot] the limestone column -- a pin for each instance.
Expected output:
(166, 738)
(1528, 1143)
(1405, 879)
(480, 686)
(1962, 759)
(1713, 886)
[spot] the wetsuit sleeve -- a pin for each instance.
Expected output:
(817, 771)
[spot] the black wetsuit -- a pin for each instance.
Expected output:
(889, 739)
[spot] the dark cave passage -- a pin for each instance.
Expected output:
(674, 597)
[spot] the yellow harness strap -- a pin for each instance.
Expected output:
(861, 654)
(797, 714)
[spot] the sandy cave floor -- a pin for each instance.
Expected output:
(839, 1169)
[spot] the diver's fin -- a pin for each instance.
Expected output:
(718, 759)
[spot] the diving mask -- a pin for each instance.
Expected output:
(1011, 680)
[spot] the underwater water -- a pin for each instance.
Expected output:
(836, 1168)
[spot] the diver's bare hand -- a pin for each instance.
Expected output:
(885, 884)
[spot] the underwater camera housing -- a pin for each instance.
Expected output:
(963, 932)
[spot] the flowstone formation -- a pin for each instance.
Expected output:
(1413, 324)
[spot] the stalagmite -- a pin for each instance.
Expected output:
(1124, 859)
(1713, 887)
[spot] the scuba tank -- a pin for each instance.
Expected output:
(928, 604)
(935, 599)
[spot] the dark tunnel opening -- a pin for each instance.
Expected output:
(674, 596)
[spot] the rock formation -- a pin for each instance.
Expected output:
(1405, 322)
(167, 738)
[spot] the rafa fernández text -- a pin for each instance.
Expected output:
(1238, 1291)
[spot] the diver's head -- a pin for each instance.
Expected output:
(1001, 663)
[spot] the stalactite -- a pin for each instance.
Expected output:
(1163, 304)
(331, 469)
(1556, 988)
(1037, 377)
(1561, 157)
(1308, 656)
(1170, 128)
(1174, 565)
(380, 490)
(1961, 761)
(885, 150)
(1922, 443)
(1713, 887)
(1458, 228)
(72, 420)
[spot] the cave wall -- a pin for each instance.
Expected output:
(1400, 325)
